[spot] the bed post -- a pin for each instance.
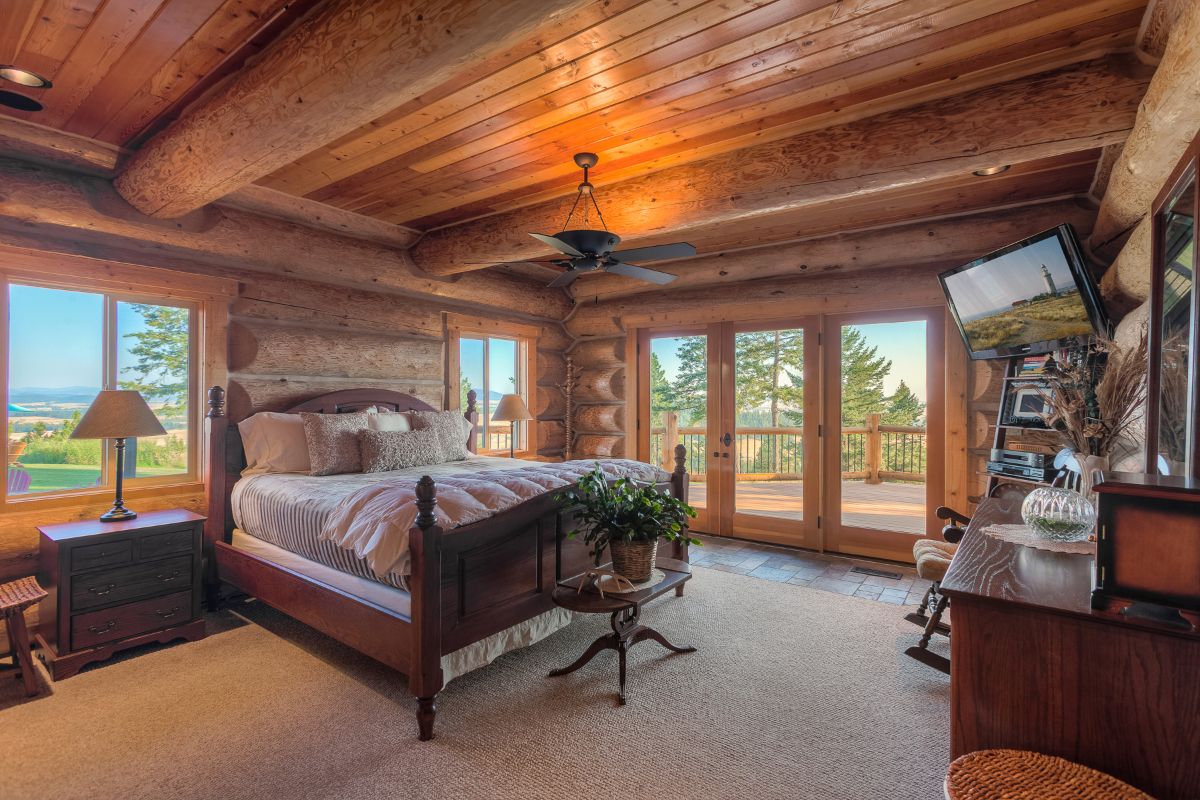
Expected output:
(214, 526)
(425, 675)
(679, 488)
(472, 415)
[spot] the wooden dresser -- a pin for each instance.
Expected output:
(1034, 667)
(116, 585)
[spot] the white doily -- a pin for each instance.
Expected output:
(1024, 535)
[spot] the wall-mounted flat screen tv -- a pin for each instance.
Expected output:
(1031, 297)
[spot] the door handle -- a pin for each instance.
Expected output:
(726, 440)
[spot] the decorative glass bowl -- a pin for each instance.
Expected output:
(1059, 514)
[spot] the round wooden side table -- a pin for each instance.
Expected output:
(580, 594)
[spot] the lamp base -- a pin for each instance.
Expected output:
(118, 514)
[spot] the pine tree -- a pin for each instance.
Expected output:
(161, 353)
(689, 392)
(863, 371)
(904, 408)
(660, 392)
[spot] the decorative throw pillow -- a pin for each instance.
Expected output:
(333, 441)
(450, 431)
(387, 420)
(387, 450)
(274, 443)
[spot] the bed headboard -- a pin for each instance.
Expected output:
(226, 459)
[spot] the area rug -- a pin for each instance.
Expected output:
(794, 693)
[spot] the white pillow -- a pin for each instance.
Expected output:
(389, 421)
(274, 443)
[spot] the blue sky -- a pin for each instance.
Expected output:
(902, 342)
(997, 284)
(55, 337)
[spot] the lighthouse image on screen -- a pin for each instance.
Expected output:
(1028, 295)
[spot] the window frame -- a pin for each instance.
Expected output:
(207, 300)
(459, 327)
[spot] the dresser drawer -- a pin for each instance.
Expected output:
(101, 555)
(165, 544)
(129, 583)
(98, 627)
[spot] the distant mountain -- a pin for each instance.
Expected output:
(61, 394)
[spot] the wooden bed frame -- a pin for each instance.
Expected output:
(486, 577)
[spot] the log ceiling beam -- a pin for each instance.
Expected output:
(72, 213)
(956, 240)
(347, 63)
(61, 150)
(1078, 108)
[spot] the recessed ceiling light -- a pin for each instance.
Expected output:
(983, 173)
(19, 101)
(24, 77)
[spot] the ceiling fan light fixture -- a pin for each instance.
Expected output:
(988, 171)
(24, 77)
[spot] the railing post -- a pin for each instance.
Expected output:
(874, 449)
(670, 437)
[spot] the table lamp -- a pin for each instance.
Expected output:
(118, 414)
(511, 409)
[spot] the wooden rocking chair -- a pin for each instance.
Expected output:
(933, 559)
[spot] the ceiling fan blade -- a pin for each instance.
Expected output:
(566, 279)
(640, 273)
(557, 244)
(657, 252)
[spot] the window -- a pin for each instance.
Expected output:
(493, 358)
(63, 346)
(490, 365)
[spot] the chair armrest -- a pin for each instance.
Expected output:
(945, 512)
(952, 534)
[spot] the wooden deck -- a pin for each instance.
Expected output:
(883, 506)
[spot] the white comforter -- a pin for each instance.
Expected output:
(374, 521)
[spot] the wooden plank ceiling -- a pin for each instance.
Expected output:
(665, 82)
(654, 84)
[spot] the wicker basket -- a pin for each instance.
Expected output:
(634, 560)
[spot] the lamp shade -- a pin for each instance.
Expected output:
(118, 414)
(511, 408)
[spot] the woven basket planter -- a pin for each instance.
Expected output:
(634, 560)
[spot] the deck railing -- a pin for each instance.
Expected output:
(874, 452)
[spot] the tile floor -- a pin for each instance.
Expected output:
(831, 573)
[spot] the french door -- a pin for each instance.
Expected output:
(744, 402)
(817, 432)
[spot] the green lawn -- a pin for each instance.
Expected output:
(58, 477)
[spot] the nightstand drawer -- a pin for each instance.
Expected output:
(98, 627)
(165, 544)
(101, 555)
(129, 583)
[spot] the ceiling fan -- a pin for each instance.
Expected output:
(590, 250)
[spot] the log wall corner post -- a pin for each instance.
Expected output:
(425, 674)
(214, 485)
(472, 415)
(679, 487)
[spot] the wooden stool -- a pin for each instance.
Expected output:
(1022, 775)
(15, 597)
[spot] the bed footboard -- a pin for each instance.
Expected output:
(474, 581)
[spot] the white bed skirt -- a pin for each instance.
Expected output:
(459, 662)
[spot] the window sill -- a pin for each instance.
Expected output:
(524, 455)
(82, 499)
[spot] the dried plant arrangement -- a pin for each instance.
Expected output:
(1095, 399)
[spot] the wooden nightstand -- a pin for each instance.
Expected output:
(116, 585)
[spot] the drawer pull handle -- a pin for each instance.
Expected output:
(98, 629)
(100, 592)
(168, 578)
(168, 614)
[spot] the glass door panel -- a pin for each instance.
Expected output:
(770, 443)
(676, 372)
(883, 388)
(1174, 401)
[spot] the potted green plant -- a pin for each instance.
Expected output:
(628, 518)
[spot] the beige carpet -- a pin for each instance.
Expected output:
(795, 693)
